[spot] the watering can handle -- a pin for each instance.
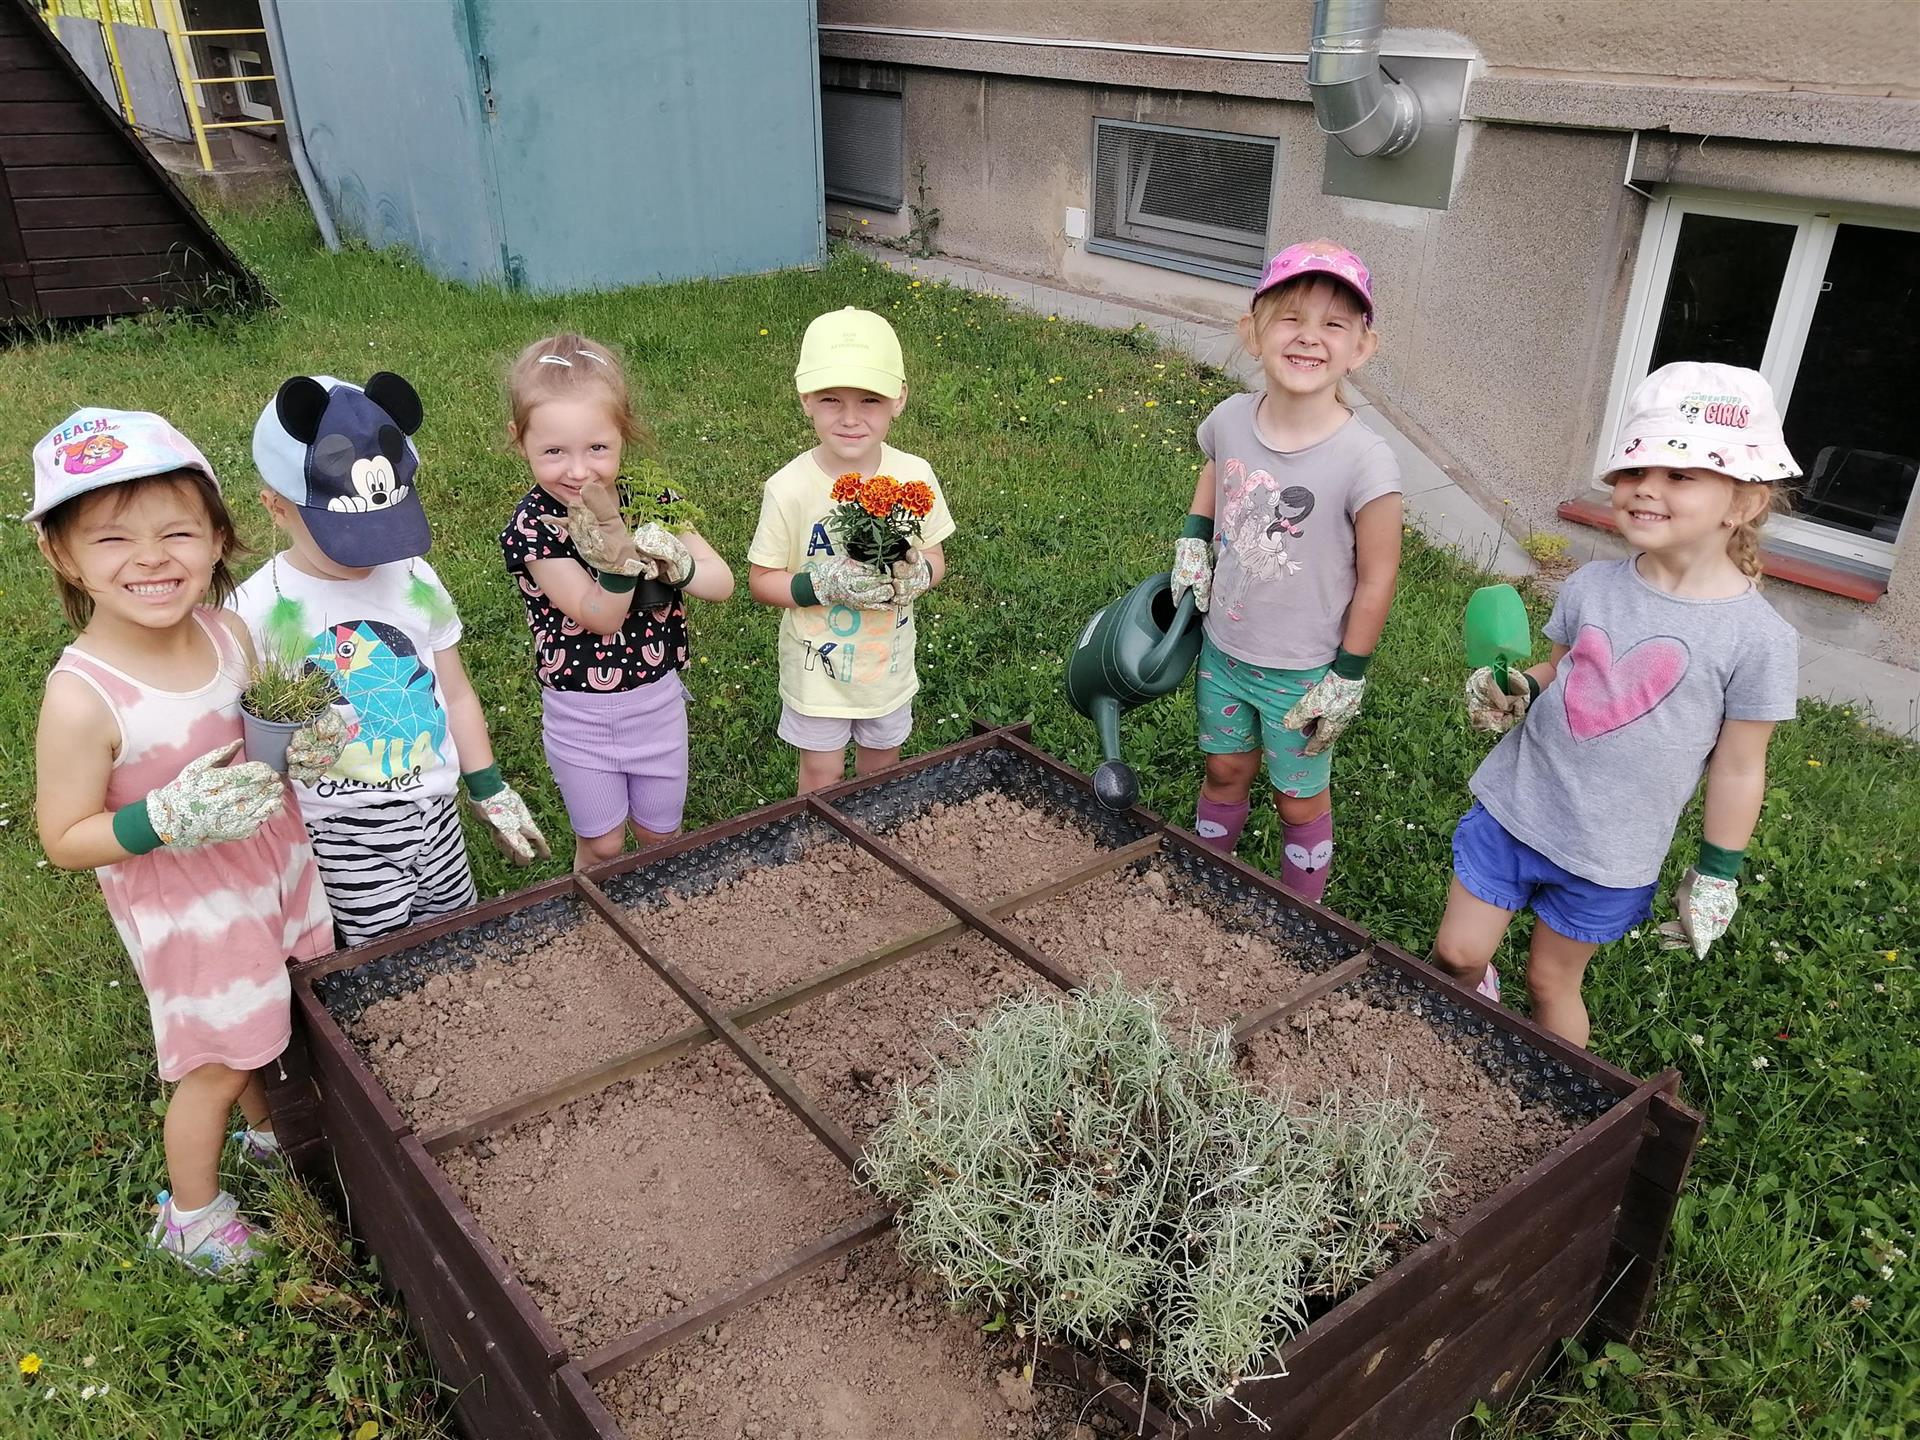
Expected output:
(1183, 618)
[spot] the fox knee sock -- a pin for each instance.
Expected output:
(1220, 825)
(1306, 855)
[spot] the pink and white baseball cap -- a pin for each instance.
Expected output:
(94, 448)
(1323, 256)
(1696, 415)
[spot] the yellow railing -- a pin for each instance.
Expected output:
(167, 15)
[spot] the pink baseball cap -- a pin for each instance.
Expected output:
(1311, 256)
(94, 448)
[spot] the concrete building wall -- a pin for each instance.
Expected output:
(1500, 315)
(1872, 44)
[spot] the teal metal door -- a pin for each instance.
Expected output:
(649, 140)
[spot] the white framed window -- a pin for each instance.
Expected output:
(1823, 301)
(1194, 200)
(255, 101)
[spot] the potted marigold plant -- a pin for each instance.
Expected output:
(877, 517)
(285, 692)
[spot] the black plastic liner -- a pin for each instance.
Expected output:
(889, 805)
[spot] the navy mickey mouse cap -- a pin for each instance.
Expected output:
(341, 453)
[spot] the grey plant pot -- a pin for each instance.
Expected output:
(266, 740)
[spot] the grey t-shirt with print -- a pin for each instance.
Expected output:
(1597, 774)
(1283, 535)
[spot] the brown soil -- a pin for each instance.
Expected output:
(780, 924)
(855, 1351)
(850, 1049)
(1345, 1044)
(468, 1039)
(1137, 925)
(627, 1204)
(993, 846)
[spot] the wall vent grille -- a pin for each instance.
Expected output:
(1193, 200)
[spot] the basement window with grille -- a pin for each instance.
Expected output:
(1193, 200)
(862, 146)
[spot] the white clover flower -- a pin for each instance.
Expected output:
(1760, 1062)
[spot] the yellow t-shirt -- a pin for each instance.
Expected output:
(835, 660)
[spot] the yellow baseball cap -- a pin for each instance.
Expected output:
(851, 347)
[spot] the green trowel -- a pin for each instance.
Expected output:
(1497, 630)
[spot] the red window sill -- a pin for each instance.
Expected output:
(1794, 569)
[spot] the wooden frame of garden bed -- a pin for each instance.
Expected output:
(1473, 1313)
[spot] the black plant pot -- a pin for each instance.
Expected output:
(861, 549)
(652, 594)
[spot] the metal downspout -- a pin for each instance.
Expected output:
(1352, 101)
(296, 142)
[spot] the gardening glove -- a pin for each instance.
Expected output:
(509, 823)
(912, 578)
(662, 551)
(315, 746)
(1329, 707)
(840, 581)
(1706, 898)
(206, 803)
(1491, 708)
(1193, 562)
(598, 530)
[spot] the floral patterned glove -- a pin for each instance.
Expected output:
(664, 553)
(1706, 904)
(840, 581)
(912, 578)
(598, 530)
(508, 821)
(1491, 708)
(207, 803)
(313, 748)
(1193, 562)
(1329, 707)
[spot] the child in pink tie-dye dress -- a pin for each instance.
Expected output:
(205, 869)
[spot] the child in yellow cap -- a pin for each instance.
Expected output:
(847, 637)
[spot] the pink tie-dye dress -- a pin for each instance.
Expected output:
(209, 929)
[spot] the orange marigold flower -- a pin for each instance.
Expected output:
(917, 496)
(879, 495)
(847, 487)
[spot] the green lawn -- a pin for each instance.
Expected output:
(1788, 1306)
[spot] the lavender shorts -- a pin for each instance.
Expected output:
(619, 756)
(832, 732)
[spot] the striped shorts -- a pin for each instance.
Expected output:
(391, 863)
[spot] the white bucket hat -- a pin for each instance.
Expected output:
(1692, 415)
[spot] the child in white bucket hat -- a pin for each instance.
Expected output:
(1665, 666)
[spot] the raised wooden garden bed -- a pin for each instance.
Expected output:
(602, 1133)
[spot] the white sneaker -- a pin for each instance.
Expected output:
(217, 1241)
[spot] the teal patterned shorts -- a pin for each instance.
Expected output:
(1241, 707)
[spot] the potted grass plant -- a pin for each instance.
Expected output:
(285, 692)
(653, 500)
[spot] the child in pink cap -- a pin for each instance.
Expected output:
(204, 866)
(1666, 666)
(1292, 549)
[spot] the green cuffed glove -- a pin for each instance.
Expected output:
(1329, 707)
(509, 823)
(598, 531)
(912, 578)
(663, 552)
(1706, 898)
(1193, 562)
(207, 803)
(315, 746)
(840, 581)
(1493, 709)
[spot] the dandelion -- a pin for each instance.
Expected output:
(30, 1364)
(1892, 955)
(864, 222)
(763, 329)
(1813, 764)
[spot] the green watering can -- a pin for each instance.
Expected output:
(1497, 630)
(1136, 649)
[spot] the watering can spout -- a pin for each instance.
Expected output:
(1115, 784)
(1173, 645)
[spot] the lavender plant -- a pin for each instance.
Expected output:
(1081, 1169)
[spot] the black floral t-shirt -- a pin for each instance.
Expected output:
(566, 656)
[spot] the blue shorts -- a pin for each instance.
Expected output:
(1493, 866)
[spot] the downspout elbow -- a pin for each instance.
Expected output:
(1353, 102)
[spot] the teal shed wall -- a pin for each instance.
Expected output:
(565, 145)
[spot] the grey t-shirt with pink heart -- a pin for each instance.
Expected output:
(1597, 774)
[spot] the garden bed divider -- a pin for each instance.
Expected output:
(1577, 1235)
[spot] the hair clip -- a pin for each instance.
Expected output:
(556, 360)
(597, 358)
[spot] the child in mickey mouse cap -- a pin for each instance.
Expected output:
(352, 595)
